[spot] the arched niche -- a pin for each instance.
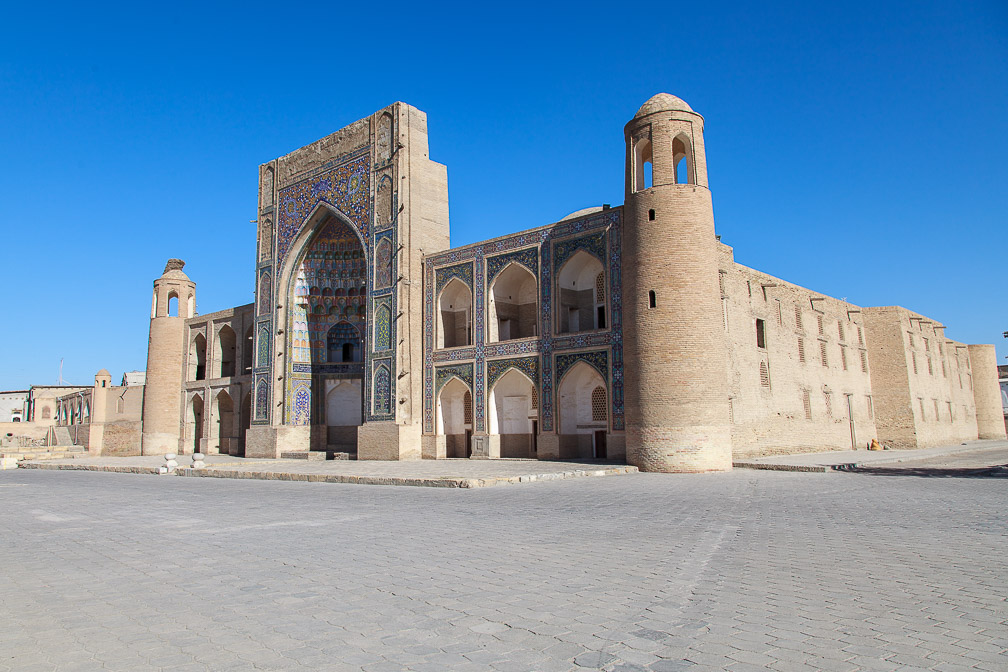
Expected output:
(454, 417)
(583, 419)
(195, 422)
(513, 414)
(454, 315)
(344, 403)
(223, 414)
(226, 351)
(197, 358)
(581, 297)
(643, 164)
(513, 304)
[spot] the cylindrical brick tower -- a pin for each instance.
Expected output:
(986, 392)
(673, 335)
(174, 300)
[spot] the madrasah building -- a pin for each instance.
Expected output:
(622, 333)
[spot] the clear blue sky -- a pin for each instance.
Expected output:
(857, 149)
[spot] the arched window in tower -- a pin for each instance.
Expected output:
(682, 157)
(643, 164)
(173, 303)
(600, 317)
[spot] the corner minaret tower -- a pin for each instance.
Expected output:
(174, 300)
(673, 334)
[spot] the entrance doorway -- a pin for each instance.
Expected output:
(599, 444)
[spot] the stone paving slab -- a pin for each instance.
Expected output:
(839, 460)
(453, 473)
(749, 570)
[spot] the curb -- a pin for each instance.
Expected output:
(428, 482)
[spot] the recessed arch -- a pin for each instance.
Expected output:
(454, 315)
(195, 422)
(512, 304)
(451, 418)
(582, 433)
(226, 350)
(513, 414)
(173, 303)
(580, 305)
(197, 358)
(223, 415)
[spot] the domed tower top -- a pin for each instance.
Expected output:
(103, 378)
(663, 102)
(174, 292)
(665, 145)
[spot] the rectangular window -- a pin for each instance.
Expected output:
(764, 374)
(951, 414)
(828, 398)
(920, 400)
(721, 281)
(797, 317)
(911, 341)
(860, 336)
(780, 313)
(944, 372)
(840, 329)
(731, 411)
(930, 367)
(927, 344)
(864, 362)
(871, 409)
(822, 353)
(801, 349)
(807, 403)
(913, 357)
(937, 415)
(760, 333)
(820, 323)
(843, 357)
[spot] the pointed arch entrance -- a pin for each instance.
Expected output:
(513, 414)
(583, 407)
(454, 418)
(321, 330)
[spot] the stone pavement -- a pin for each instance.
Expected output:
(432, 473)
(849, 459)
(749, 570)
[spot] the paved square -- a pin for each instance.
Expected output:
(740, 571)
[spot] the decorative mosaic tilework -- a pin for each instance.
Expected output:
(498, 367)
(598, 359)
(382, 326)
(445, 373)
(454, 355)
(302, 403)
(263, 346)
(382, 390)
(383, 263)
(265, 293)
(262, 399)
(529, 258)
(564, 250)
(603, 227)
(327, 303)
(463, 272)
(344, 187)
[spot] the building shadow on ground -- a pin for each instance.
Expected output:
(999, 471)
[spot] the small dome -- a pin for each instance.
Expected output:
(103, 372)
(662, 102)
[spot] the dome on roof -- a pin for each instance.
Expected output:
(103, 372)
(662, 102)
(176, 274)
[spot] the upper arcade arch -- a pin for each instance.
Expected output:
(513, 307)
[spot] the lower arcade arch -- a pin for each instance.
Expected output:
(513, 416)
(454, 418)
(582, 403)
